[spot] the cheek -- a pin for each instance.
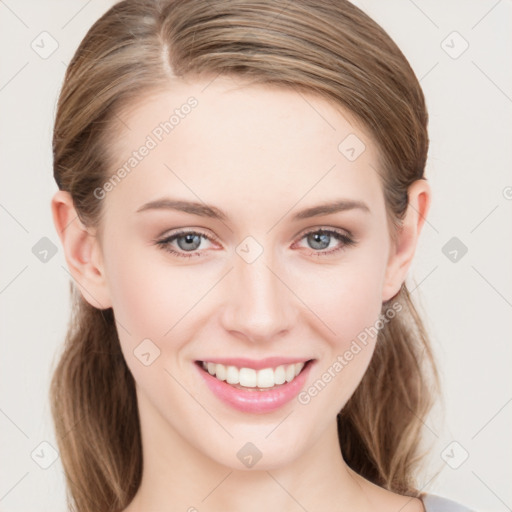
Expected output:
(152, 305)
(151, 296)
(149, 299)
(337, 303)
(347, 298)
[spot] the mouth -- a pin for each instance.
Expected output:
(252, 379)
(256, 387)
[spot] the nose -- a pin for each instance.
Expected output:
(260, 306)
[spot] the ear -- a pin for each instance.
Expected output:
(403, 249)
(82, 252)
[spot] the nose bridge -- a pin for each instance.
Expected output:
(259, 306)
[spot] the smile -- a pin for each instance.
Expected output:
(255, 390)
(251, 378)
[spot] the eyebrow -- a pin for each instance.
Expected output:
(205, 210)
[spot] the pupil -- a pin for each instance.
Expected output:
(189, 239)
(320, 238)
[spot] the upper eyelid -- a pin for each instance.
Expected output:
(303, 232)
(184, 232)
(315, 229)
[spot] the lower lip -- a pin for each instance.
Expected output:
(253, 400)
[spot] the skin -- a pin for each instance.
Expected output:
(260, 154)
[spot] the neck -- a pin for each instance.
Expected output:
(179, 477)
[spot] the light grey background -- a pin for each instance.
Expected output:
(467, 303)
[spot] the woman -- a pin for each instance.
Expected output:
(241, 195)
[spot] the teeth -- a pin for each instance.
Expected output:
(232, 375)
(250, 378)
(279, 375)
(290, 372)
(266, 378)
(247, 377)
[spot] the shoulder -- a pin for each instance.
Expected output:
(434, 503)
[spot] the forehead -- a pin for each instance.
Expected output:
(226, 141)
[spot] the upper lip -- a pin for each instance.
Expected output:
(256, 364)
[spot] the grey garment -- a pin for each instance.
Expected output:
(434, 503)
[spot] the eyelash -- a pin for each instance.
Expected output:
(347, 240)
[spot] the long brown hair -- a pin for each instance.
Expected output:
(329, 48)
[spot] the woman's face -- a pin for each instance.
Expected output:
(249, 177)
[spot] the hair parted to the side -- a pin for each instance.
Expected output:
(331, 49)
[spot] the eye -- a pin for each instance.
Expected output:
(321, 239)
(183, 242)
(186, 244)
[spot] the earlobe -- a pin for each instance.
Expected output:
(82, 252)
(407, 237)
